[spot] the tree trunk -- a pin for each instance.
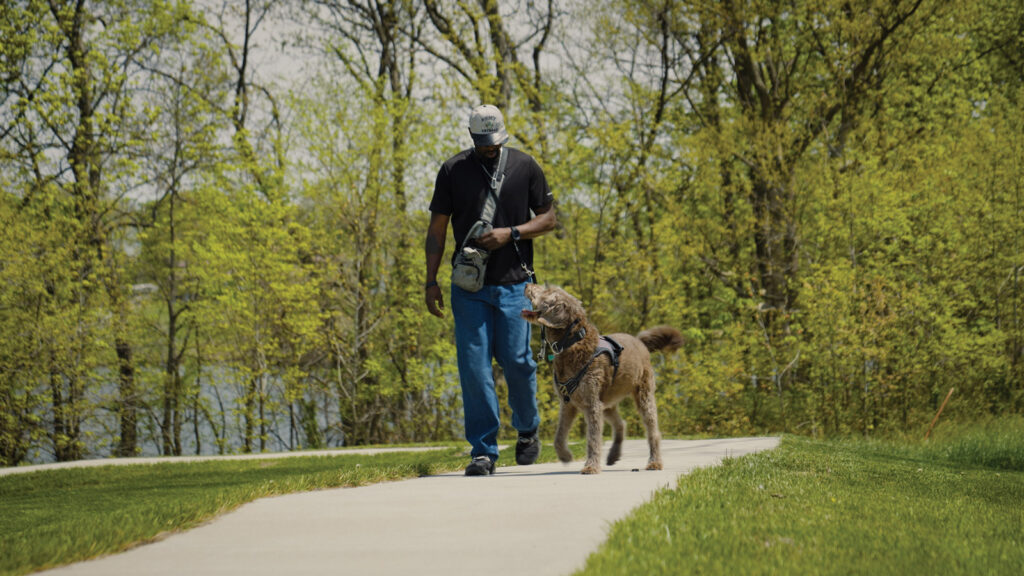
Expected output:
(128, 406)
(250, 416)
(775, 246)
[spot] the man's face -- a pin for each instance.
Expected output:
(489, 152)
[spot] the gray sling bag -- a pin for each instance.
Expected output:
(470, 264)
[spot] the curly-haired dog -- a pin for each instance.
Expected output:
(594, 373)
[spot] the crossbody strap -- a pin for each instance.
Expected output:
(497, 179)
(491, 203)
(494, 192)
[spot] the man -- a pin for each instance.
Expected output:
(488, 322)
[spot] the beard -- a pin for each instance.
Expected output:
(488, 153)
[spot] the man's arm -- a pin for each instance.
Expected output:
(543, 222)
(434, 249)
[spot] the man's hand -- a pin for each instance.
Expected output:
(435, 302)
(434, 248)
(494, 239)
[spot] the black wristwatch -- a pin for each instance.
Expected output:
(430, 284)
(515, 234)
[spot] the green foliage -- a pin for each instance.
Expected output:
(825, 197)
(390, 365)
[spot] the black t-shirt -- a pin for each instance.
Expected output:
(460, 191)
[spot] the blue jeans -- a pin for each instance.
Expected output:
(488, 325)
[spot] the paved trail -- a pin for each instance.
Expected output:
(540, 519)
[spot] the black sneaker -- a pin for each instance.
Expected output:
(480, 466)
(527, 448)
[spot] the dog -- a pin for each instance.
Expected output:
(593, 374)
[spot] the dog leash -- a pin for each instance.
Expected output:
(522, 263)
(543, 355)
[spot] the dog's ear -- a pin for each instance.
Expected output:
(577, 304)
(577, 312)
(562, 308)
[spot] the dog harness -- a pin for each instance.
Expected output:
(605, 345)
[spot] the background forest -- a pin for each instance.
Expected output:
(212, 213)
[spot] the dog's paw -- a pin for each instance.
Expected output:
(590, 470)
(654, 466)
(613, 455)
(564, 455)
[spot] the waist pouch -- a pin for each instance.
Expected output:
(469, 268)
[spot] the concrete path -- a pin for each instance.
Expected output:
(540, 519)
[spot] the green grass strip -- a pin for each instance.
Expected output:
(836, 507)
(56, 517)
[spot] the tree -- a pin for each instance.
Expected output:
(189, 89)
(73, 124)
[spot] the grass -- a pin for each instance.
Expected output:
(954, 505)
(55, 517)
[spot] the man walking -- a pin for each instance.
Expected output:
(487, 321)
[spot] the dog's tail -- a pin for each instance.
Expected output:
(661, 337)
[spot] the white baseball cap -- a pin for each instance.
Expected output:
(487, 126)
